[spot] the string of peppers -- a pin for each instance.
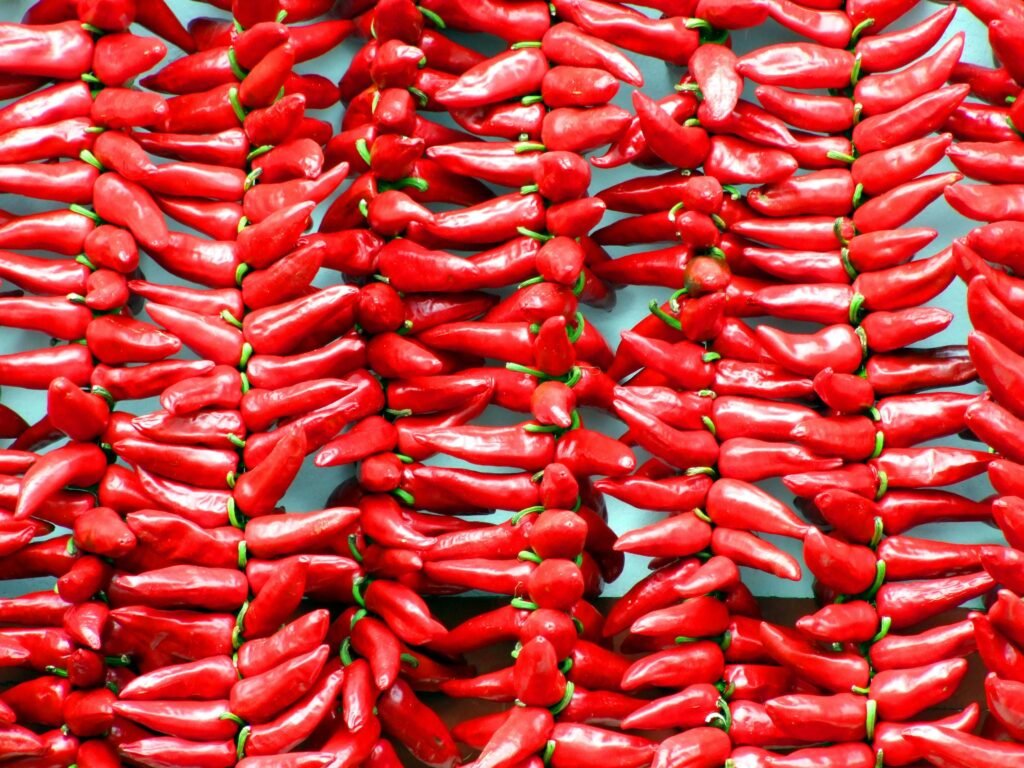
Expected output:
(890, 293)
(549, 634)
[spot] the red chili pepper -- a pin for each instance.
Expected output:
(89, 713)
(631, 145)
(882, 249)
(858, 569)
(714, 69)
(258, 698)
(39, 700)
(103, 532)
(882, 93)
(828, 27)
(509, 21)
(685, 410)
(897, 206)
(954, 747)
(77, 464)
(996, 426)
(875, 171)
(809, 233)
(227, 148)
(181, 586)
(182, 540)
(217, 220)
(294, 725)
(524, 733)
(851, 755)
(67, 182)
(206, 112)
(803, 266)
(889, 331)
(903, 651)
(506, 121)
(903, 510)
(444, 53)
(20, 742)
(912, 121)
(991, 85)
(580, 744)
(205, 467)
(689, 708)
(735, 161)
(665, 495)
(698, 747)
(205, 680)
(629, 29)
(291, 760)
(746, 549)
(798, 65)
(924, 467)
(30, 50)
(506, 76)
(701, 616)
(258, 489)
(683, 449)
(759, 127)
(53, 316)
(126, 108)
(909, 603)
(195, 73)
(698, 662)
(300, 636)
(121, 57)
(155, 750)
(856, 621)
(752, 725)
(901, 694)
(182, 635)
(836, 346)
(811, 113)
(1006, 512)
(997, 242)
(836, 672)
(842, 717)
(498, 576)
(1004, 702)
(536, 679)
(919, 369)
(722, 14)
(995, 164)
(893, 50)
(678, 145)
(987, 203)
(417, 727)
(752, 460)
(480, 630)
(983, 122)
(403, 611)
(264, 199)
(568, 45)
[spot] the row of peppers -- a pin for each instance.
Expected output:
(988, 151)
(396, 551)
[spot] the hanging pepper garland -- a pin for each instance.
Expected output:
(196, 622)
